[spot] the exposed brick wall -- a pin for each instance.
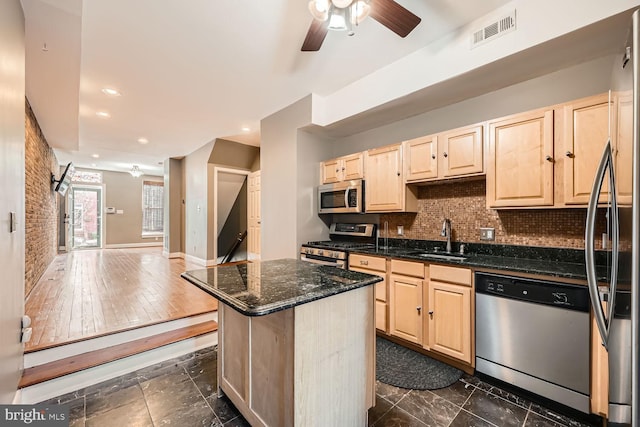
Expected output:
(464, 203)
(41, 210)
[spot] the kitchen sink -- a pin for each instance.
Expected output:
(439, 255)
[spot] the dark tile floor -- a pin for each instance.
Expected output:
(182, 392)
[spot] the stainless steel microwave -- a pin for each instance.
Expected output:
(341, 197)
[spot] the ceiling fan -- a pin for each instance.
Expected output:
(343, 15)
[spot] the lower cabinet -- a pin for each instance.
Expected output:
(405, 300)
(377, 266)
(449, 316)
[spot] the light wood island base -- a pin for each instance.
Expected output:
(310, 365)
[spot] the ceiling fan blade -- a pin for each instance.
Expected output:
(394, 16)
(315, 36)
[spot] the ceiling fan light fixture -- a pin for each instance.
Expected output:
(339, 19)
(319, 9)
(360, 9)
(135, 171)
(341, 4)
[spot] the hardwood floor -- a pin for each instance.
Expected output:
(89, 293)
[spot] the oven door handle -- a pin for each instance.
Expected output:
(337, 263)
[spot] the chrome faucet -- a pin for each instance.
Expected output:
(446, 232)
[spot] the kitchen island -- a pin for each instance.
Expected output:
(296, 341)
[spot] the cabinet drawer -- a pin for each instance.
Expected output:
(381, 291)
(445, 273)
(407, 268)
(368, 262)
(381, 316)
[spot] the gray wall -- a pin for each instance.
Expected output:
(12, 191)
(196, 180)
(173, 207)
(198, 169)
(289, 159)
(581, 80)
(124, 192)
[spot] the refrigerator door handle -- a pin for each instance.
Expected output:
(592, 278)
(615, 240)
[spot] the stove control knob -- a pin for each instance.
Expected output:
(335, 255)
(321, 252)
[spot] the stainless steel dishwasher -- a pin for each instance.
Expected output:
(535, 335)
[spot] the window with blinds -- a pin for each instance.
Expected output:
(152, 208)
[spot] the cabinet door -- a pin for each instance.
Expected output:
(405, 308)
(331, 171)
(381, 291)
(385, 184)
(421, 158)
(253, 216)
(520, 166)
(624, 148)
(586, 127)
(353, 167)
(462, 152)
(450, 320)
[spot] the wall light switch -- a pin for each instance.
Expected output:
(13, 222)
(487, 233)
(400, 230)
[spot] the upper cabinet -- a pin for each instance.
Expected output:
(421, 158)
(343, 168)
(624, 147)
(520, 163)
(462, 152)
(586, 124)
(451, 154)
(385, 190)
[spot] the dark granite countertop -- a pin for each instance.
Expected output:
(260, 288)
(555, 262)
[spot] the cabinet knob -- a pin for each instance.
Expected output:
(343, 169)
(569, 154)
(419, 309)
(398, 173)
(549, 159)
(445, 154)
(433, 156)
(337, 170)
(431, 314)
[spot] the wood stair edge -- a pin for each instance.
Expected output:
(68, 365)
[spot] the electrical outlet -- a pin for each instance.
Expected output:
(400, 230)
(487, 233)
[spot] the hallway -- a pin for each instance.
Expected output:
(90, 293)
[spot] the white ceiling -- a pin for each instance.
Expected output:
(192, 71)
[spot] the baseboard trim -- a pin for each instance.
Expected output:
(200, 261)
(132, 245)
(172, 255)
(68, 383)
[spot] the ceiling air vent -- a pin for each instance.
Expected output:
(497, 28)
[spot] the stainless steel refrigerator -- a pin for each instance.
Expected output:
(618, 324)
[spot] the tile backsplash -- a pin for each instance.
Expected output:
(464, 203)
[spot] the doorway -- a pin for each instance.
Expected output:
(84, 210)
(230, 214)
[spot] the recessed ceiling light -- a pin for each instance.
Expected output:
(246, 128)
(103, 114)
(111, 91)
(93, 165)
(95, 156)
(143, 140)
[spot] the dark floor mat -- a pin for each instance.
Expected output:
(401, 367)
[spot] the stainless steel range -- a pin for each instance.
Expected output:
(335, 252)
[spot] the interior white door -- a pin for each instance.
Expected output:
(253, 216)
